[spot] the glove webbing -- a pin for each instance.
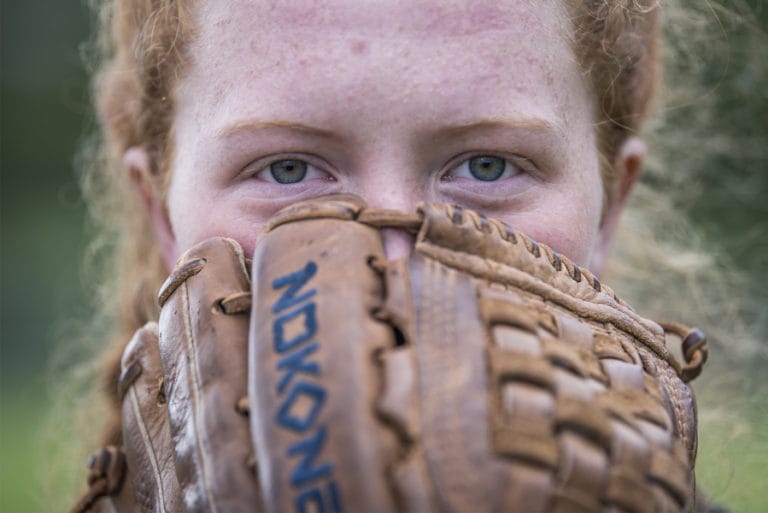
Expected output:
(566, 405)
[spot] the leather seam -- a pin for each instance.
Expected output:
(150, 448)
(198, 405)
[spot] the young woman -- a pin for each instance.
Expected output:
(217, 114)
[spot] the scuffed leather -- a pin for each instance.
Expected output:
(185, 434)
(202, 349)
(489, 374)
(481, 372)
(146, 434)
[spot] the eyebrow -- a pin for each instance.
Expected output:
(539, 125)
(529, 124)
(255, 126)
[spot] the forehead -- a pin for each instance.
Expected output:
(424, 54)
(379, 17)
(277, 30)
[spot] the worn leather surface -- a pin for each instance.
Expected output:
(489, 374)
(185, 424)
(481, 372)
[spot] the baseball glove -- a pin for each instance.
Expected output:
(483, 372)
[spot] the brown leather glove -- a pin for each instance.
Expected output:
(186, 436)
(484, 372)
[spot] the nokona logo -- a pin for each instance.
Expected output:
(301, 394)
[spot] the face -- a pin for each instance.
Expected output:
(480, 104)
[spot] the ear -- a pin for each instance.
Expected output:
(136, 162)
(628, 163)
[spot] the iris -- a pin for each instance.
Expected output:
(487, 168)
(288, 171)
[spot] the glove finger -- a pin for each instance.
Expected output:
(312, 366)
(203, 344)
(146, 430)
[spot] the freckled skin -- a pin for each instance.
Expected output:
(386, 100)
(359, 47)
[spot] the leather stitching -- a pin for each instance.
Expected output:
(198, 411)
(150, 449)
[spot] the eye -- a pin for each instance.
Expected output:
(290, 171)
(486, 168)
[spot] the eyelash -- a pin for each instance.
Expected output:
(513, 166)
(265, 171)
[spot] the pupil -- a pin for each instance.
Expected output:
(487, 168)
(288, 171)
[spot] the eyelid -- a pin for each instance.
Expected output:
(262, 163)
(523, 163)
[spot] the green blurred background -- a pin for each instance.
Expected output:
(46, 117)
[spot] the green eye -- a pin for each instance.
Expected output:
(487, 168)
(288, 171)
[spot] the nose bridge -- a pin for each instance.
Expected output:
(390, 184)
(394, 196)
